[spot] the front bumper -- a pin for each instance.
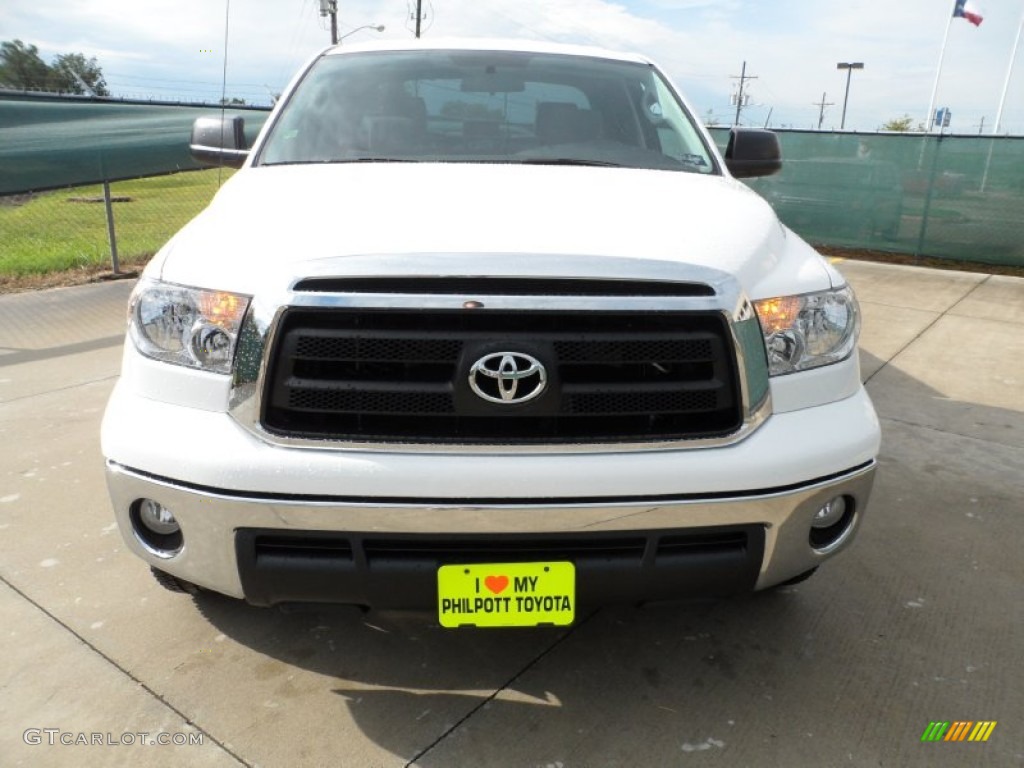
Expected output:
(270, 548)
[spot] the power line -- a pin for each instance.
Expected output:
(532, 30)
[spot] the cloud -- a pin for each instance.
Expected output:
(791, 46)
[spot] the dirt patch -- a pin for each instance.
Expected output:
(113, 199)
(79, 276)
(13, 200)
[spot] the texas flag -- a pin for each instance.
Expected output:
(965, 9)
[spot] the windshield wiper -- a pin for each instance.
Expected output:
(568, 161)
(334, 161)
(376, 160)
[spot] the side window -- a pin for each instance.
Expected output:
(671, 143)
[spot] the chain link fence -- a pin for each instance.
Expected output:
(68, 228)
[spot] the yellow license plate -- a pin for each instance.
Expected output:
(506, 594)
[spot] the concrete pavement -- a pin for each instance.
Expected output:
(921, 620)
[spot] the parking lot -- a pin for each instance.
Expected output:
(921, 620)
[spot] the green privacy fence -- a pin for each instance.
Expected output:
(958, 197)
(47, 142)
(50, 146)
(955, 197)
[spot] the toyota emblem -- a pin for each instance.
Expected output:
(508, 377)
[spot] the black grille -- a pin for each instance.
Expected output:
(355, 348)
(400, 570)
(662, 350)
(617, 402)
(503, 549)
(274, 548)
(383, 375)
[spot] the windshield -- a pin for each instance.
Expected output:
(473, 106)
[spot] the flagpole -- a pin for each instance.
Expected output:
(1009, 74)
(1002, 102)
(938, 71)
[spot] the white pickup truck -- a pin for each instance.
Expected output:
(489, 329)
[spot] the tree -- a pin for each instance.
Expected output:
(73, 73)
(232, 102)
(21, 67)
(903, 124)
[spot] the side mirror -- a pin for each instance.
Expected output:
(753, 152)
(219, 141)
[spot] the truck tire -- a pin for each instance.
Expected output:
(798, 579)
(173, 583)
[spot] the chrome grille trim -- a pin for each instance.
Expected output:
(262, 321)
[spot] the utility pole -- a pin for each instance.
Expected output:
(330, 8)
(419, 16)
(981, 125)
(739, 97)
(821, 111)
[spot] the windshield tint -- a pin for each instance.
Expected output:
(471, 106)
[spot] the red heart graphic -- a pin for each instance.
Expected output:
(496, 584)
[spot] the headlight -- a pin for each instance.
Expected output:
(808, 331)
(186, 326)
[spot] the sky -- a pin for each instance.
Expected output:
(175, 49)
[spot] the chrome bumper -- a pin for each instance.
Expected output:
(209, 520)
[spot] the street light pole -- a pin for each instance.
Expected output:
(849, 66)
(375, 27)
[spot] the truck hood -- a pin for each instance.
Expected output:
(272, 224)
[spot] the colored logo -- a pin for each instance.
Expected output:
(959, 730)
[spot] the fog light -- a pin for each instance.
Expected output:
(156, 528)
(830, 514)
(832, 525)
(157, 518)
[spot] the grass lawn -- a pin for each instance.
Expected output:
(51, 233)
